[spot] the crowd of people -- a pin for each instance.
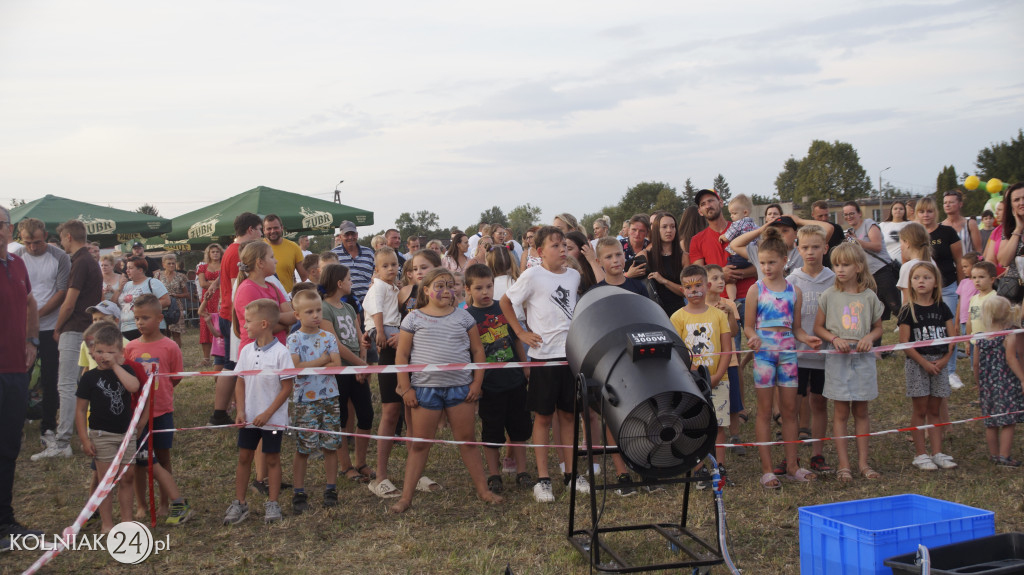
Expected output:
(100, 325)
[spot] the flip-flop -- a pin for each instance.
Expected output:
(802, 476)
(384, 489)
(428, 485)
(770, 481)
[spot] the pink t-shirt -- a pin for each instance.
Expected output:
(162, 356)
(964, 292)
(248, 292)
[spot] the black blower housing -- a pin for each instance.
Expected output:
(658, 411)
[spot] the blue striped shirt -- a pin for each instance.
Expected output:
(361, 268)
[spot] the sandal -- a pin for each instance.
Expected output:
(844, 475)
(743, 415)
(805, 433)
(818, 464)
(780, 469)
(384, 489)
(525, 480)
(869, 473)
(428, 485)
(371, 475)
(494, 484)
(802, 476)
(358, 477)
(770, 481)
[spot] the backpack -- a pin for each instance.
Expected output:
(172, 313)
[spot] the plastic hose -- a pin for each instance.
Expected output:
(717, 484)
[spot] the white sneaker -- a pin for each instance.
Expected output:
(52, 451)
(955, 382)
(48, 438)
(582, 485)
(542, 491)
(925, 463)
(944, 461)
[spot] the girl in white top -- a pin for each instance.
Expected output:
(916, 247)
(891, 227)
(437, 332)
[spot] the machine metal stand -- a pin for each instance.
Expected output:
(695, 551)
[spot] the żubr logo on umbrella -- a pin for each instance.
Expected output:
(313, 219)
(97, 226)
(204, 228)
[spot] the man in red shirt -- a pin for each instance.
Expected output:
(706, 248)
(18, 343)
(248, 227)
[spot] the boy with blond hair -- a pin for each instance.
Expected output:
(740, 207)
(262, 404)
(315, 398)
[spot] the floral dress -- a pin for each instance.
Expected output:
(212, 299)
(999, 389)
(177, 284)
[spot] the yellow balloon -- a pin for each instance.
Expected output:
(972, 182)
(995, 185)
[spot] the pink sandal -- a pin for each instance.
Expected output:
(770, 481)
(802, 476)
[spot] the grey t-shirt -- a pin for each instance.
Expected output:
(439, 339)
(850, 315)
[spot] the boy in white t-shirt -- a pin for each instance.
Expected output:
(261, 401)
(547, 293)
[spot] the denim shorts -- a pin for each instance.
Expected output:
(438, 398)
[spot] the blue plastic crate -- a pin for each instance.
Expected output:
(855, 537)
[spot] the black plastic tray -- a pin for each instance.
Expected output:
(994, 555)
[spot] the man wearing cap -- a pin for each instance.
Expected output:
(48, 268)
(18, 343)
(706, 248)
(358, 259)
(152, 264)
(287, 253)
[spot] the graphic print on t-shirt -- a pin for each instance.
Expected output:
(698, 341)
(561, 298)
(494, 334)
(851, 315)
(113, 393)
(149, 363)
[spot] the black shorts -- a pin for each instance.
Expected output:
(551, 388)
(813, 378)
(504, 412)
(249, 438)
(739, 262)
(388, 382)
(160, 440)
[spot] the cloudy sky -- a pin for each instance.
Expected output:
(456, 106)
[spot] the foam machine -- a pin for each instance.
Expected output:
(632, 367)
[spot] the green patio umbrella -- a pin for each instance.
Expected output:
(298, 213)
(108, 226)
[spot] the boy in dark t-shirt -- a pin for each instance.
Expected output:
(107, 394)
(503, 405)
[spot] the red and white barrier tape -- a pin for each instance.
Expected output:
(415, 368)
(105, 486)
(531, 445)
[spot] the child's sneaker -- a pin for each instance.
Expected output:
(542, 491)
(180, 512)
(944, 461)
(330, 497)
(271, 512)
(1005, 461)
(625, 488)
(237, 512)
(818, 465)
(925, 463)
(582, 485)
(300, 503)
(955, 382)
(524, 479)
(494, 484)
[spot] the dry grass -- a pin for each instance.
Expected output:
(451, 532)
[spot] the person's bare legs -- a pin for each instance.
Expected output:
(840, 420)
(462, 419)
(819, 421)
(541, 427)
(763, 426)
(416, 461)
(388, 419)
(862, 426)
(789, 407)
(223, 390)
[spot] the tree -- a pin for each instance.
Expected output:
(423, 223)
(785, 183)
(945, 182)
(759, 200)
(494, 215)
(643, 198)
(689, 193)
(522, 218)
(669, 201)
(830, 171)
(722, 187)
(1004, 160)
(148, 209)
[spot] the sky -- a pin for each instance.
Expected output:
(455, 107)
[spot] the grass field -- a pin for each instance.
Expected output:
(452, 532)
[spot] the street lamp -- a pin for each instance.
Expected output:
(880, 192)
(337, 192)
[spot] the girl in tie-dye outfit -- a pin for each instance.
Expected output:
(772, 333)
(850, 319)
